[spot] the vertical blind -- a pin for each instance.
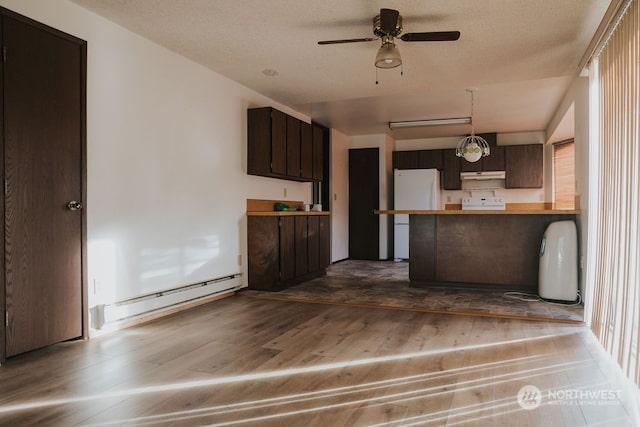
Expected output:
(616, 272)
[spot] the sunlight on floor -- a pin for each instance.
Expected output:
(488, 390)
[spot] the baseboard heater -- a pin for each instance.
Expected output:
(158, 301)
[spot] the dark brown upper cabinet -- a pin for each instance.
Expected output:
(522, 163)
(524, 166)
(318, 136)
(281, 146)
(430, 159)
(451, 170)
(495, 160)
(293, 147)
(406, 160)
(417, 159)
(306, 151)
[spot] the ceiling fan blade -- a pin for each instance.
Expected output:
(388, 20)
(435, 36)
(366, 39)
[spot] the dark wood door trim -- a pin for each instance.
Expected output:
(82, 46)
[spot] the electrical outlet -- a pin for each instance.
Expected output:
(284, 193)
(239, 259)
(448, 199)
(335, 196)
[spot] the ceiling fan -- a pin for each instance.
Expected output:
(386, 27)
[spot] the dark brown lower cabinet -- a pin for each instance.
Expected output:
(301, 246)
(286, 250)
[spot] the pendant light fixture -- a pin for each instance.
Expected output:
(472, 147)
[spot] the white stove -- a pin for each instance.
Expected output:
(483, 203)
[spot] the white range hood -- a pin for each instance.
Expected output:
(481, 176)
(479, 181)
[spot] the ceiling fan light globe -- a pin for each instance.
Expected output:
(388, 56)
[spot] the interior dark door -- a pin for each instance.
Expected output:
(43, 102)
(364, 198)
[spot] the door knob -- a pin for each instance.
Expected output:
(74, 205)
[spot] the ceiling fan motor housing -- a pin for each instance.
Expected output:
(378, 30)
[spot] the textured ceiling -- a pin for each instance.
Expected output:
(521, 55)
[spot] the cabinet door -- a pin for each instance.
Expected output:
(451, 174)
(318, 142)
(466, 166)
(495, 160)
(313, 243)
(287, 248)
(406, 160)
(293, 147)
(302, 251)
(306, 151)
(259, 141)
(278, 142)
(325, 241)
(263, 252)
(523, 166)
(430, 159)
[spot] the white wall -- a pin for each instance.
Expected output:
(576, 104)
(340, 193)
(166, 154)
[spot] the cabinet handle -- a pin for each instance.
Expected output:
(74, 205)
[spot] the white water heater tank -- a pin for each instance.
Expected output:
(558, 271)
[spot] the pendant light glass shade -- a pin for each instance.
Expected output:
(388, 56)
(472, 147)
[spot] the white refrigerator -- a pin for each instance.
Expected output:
(417, 189)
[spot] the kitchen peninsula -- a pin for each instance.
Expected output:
(497, 248)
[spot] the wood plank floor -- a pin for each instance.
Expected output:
(246, 361)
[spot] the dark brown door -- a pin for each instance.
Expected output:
(364, 193)
(43, 83)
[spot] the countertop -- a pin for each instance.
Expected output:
(482, 212)
(288, 213)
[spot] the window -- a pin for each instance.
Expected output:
(564, 181)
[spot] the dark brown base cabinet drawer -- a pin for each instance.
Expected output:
(286, 250)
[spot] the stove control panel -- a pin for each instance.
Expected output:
(483, 203)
